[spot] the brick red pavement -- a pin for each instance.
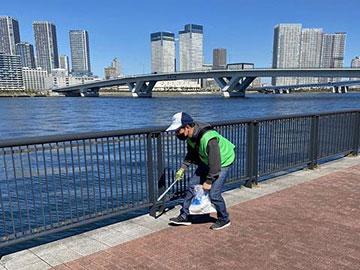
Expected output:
(315, 225)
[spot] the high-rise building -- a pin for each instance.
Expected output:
(332, 53)
(64, 63)
(191, 48)
(11, 77)
(355, 63)
(116, 64)
(46, 45)
(80, 52)
(310, 53)
(109, 73)
(286, 51)
(26, 52)
(9, 35)
(219, 59)
(162, 52)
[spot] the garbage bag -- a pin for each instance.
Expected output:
(200, 203)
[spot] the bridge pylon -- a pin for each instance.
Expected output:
(141, 89)
(234, 86)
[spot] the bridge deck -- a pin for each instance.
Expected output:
(313, 72)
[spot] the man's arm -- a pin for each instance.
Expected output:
(189, 158)
(213, 151)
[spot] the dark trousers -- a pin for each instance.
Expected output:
(215, 192)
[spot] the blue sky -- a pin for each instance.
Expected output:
(122, 28)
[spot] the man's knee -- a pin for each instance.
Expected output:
(215, 195)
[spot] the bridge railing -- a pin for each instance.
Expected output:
(53, 183)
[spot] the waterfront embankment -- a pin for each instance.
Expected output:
(24, 93)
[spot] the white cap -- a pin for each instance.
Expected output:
(178, 120)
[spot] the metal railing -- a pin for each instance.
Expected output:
(49, 184)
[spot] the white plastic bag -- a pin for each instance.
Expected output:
(200, 203)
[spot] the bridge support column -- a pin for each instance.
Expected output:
(344, 89)
(71, 94)
(231, 86)
(335, 89)
(141, 88)
(89, 92)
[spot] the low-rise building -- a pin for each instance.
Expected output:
(59, 79)
(178, 85)
(355, 63)
(11, 76)
(34, 78)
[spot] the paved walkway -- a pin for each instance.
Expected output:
(305, 220)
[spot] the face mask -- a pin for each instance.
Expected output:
(181, 137)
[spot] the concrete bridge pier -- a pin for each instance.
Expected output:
(344, 89)
(141, 89)
(232, 87)
(83, 92)
(340, 89)
(71, 94)
(282, 91)
(89, 92)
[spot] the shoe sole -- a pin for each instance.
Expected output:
(220, 228)
(180, 223)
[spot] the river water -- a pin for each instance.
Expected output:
(27, 117)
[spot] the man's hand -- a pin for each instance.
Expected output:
(179, 174)
(206, 186)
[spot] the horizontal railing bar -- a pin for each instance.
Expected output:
(126, 132)
(58, 147)
(77, 136)
(271, 118)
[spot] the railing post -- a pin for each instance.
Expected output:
(256, 152)
(314, 142)
(152, 198)
(252, 139)
(160, 187)
(356, 134)
(161, 171)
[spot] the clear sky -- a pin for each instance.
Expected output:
(122, 28)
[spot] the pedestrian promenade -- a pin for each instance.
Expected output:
(309, 219)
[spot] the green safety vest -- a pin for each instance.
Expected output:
(227, 153)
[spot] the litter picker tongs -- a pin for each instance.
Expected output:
(166, 191)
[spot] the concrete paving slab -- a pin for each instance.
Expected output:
(41, 265)
(86, 246)
(110, 238)
(44, 249)
(60, 256)
(151, 223)
(19, 259)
